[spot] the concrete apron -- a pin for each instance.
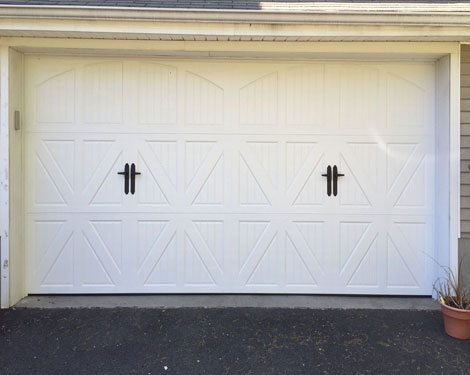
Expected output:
(234, 300)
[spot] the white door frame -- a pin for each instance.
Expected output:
(446, 55)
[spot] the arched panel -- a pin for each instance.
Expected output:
(405, 102)
(103, 93)
(55, 99)
(258, 101)
(157, 94)
(204, 101)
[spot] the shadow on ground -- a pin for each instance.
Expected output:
(227, 341)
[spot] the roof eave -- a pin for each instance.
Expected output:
(345, 14)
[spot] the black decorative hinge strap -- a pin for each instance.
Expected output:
(335, 180)
(133, 174)
(328, 180)
(126, 178)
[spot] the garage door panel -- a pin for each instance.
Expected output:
(201, 265)
(358, 242)
(101, 158)
(305, 96)
(165, 156)
(258, 266)
(409, 186)
(355, 189)
(207, 186)
(51, 188)
(183, 253)
(297, 161)
(361, 163)
(259, 101)
(265, 271)
(266, 155)
(188, 96)
(387, 176)
(359, 95)
(103, 92)
(155, 189)
(255, 183)
(231, 197)
(82, 255)
(308, 187)
(102, 189)
(157, 253)
(163, 276)
(213, 233)
(101, 253)
(366, 273)
(306, 240)
(157, 94)
(61, 153)
(72, 172)
(50, 180)
(212, 190)
(298, 272)
(204, 101)
(405, 259)
(409, 95)
(53, 244)
(55, 93)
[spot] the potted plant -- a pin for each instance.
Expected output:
(455, 304)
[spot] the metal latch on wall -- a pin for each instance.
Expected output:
(17, 124)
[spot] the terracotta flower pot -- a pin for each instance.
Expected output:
(456, 322)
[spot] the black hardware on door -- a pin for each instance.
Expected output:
(126, 178)
(335, 180)
(133, 174)
(328, 180)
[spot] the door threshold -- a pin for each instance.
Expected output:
(173, 301)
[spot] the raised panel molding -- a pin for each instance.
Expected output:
(305, 97)
(166, 154)
(103, 93)
(204, 101)
(312, 190)
(405, 102)
(259, 101)
(251, 191)
(157, 94)
(55, 99)
(358, 97)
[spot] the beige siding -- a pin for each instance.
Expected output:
(465, 141)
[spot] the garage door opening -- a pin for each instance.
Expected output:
(234, 194)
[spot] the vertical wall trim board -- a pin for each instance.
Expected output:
(4, 176)
(16, 240)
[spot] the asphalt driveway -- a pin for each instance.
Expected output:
(227, 341)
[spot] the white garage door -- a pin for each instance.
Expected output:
(231, 196)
